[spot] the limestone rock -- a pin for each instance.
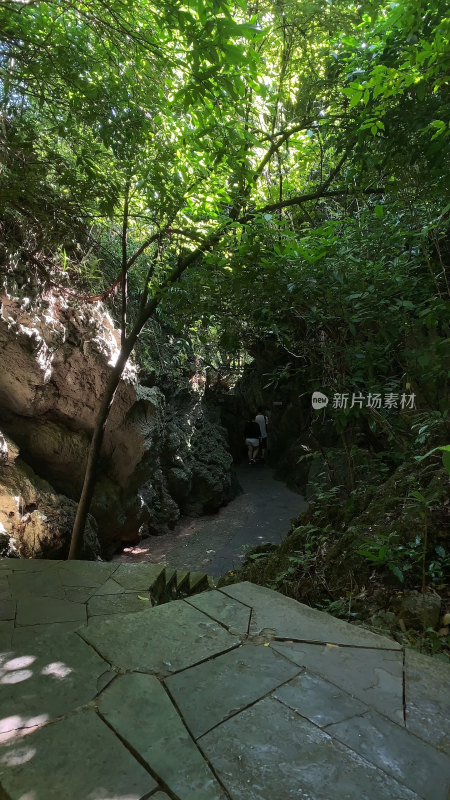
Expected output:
(160, 456)
(420, 610)
(35, 522)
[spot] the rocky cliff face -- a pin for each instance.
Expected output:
(161, 457)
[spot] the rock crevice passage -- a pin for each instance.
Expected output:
(231, 694)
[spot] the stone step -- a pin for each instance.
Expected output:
(198, 582)
(183, 587)
(180, 583)
(171, 583)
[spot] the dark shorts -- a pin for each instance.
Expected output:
(263, 444)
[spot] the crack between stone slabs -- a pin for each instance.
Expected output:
(291, 640)
(27, 730)
(253, 703)
(310, 671)
(347, 747)
(15, 615)
(299, 714)
(68, 588)
(195, 742)
(404, 685)
(89, 644)
(107, 685)
(249, 620)
(214, 619)
(229, 597)
(162, 675)
(141, 760)
(346, 719)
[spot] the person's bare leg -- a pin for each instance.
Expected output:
(250, 452)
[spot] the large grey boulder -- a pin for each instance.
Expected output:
(160, 456)
(35, 521)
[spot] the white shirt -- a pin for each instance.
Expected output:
(261, 420)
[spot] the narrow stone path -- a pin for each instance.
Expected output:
(217, 543)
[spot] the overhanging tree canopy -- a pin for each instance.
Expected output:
(184, 129)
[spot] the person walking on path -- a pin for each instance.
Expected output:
(252, 435)
(263, 423)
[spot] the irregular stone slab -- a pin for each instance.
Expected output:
(139, 576)
(408, 759)
(79, 594)
(210, 692)
(40, 584)
(29, 633)
(269, 752)
(78, 758)
(159, 796)
(109, 587)
(39, 610)
(286, 618)
(105, 679)
(116, 604)
(85, 573)
(139, 709)
(7, 609)
(317, 700)
(5, 589)
(428, 699)
(46, 676)
(232, 614)
(373, 676)
(27, 564)
(161, 640)
(6, 631)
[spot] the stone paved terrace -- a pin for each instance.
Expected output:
(231, 694)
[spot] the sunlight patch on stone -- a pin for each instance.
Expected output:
(20, 755)
(8, 723)
(17, 727)
(16, 677)
(20, 662)
(57, 669)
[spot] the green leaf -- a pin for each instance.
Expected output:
(379, 211)
(355, 99)
(446, 460)
(397, 572)
(418, 496)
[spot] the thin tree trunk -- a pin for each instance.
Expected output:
(123, 327)
(87, 491)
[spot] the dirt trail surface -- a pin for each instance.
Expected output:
(217, 543)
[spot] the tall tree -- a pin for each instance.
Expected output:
(185, 130)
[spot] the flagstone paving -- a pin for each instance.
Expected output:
(232, 694)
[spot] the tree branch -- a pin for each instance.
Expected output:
(304, 198)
